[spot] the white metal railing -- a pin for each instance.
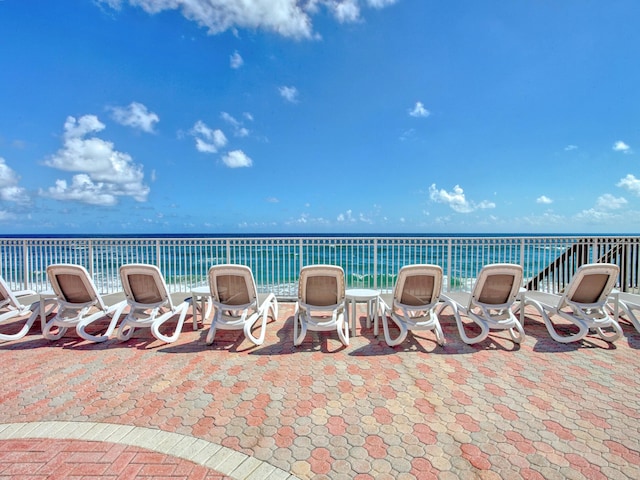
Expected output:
(373, 262)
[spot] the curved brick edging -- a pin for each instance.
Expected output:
(208, 454)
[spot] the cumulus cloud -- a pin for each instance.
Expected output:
(290, 94)
(620, 146)
(609, 202)
(105, 174)
(236, 60)
(237, 159)
(135, 115)
(456, 199)
(9, 189)
(418, 110)
(544, 200)
(207, 139)
(289, 18)
(346, 11)
(631, 183)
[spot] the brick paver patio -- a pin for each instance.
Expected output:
(492, 410)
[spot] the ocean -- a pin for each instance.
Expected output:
(369, 261)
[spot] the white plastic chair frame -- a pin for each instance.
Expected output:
(627, 304)
(583, 303)
(489, 304)
(150, 303)
(15, 305)
(79, 303)
(321, 303)
(412, 304)
(237, 304)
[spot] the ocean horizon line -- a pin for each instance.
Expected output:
(310, 235)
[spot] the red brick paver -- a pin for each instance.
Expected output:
(321, 410)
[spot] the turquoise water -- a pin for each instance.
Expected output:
(370, 261)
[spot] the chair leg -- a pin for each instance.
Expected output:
(298, 324)
(155, 326)
(125, 331)
(392, 342)
(248, 326)
(53, 336)
(343, 331)
(114, 312)
(25, 328)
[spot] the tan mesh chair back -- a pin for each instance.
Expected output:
(498, 285)
(418, 285)
(592, 284)
(321, 285)
(144, 284)
(72, 284)
(232, 285)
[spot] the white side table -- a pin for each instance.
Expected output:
(202, 295)
(355, 295)
(46, 297)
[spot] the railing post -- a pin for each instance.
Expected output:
(158, 254)
(300, 247)
(449, 265)
(375, 263)
(228, 252)
(25, 264)
(91, 260)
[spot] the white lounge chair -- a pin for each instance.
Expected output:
(79, 303)
(16, 304)
(412, 304)
(490, 302)
(236, 302)
(321, 303)
(583, 303)
(628, 303)
(150, 303)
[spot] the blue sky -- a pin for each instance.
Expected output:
(319, 116)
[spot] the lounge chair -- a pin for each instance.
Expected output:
(16, 304)
(236, 302)
(412, 304)
(79, 303)
(321, 303)
(628, 303)
(490, 302)
(583, 303)
(150, 303)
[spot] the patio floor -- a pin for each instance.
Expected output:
(73, 409)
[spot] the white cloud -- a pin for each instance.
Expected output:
(631, 183)
(419, 111)
(284, 17)
(236, 60)
(620, 146)
(208, 140)
(381, 3)
(289, 93)
(609, 202)
(238, 129)
(568, 148)
(457, 200)
(105, 173)
(9, 189)
(346, 217)
(289, 18)
(236, 159)
(544, 200)
(345, 11)
(135, 115)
